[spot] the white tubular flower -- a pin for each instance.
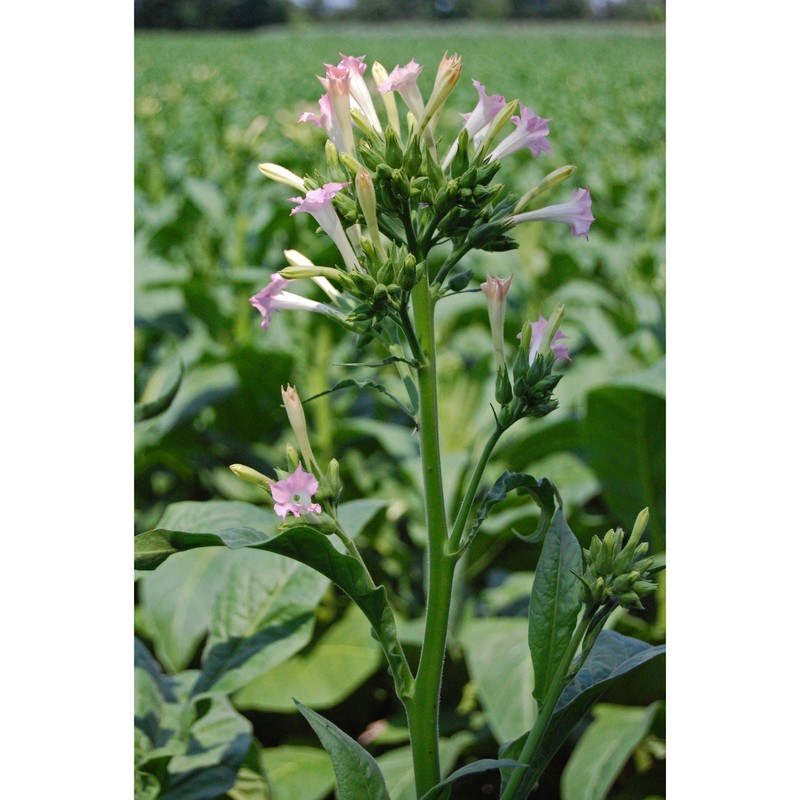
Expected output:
(295, 259)
(446, 78)
(404, 81)
(380, 75)
(274, 298)
(337, 85)
(280, 174)
(365, 191)
(319, 203)
(327, 120)
(359, 92)
(577, 213)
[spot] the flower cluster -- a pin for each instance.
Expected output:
(389, 197)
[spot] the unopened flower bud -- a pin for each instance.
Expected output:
(446, 78)
(331, 154)
(280, 174)
(297, 419)
(250, 475)
(394, 151)
(380, 75)
(350, 163)
(365, 191)
(502, 387)
(461, 158)
(496, 289)
(333, 478)
(553, 179)
(292, 459)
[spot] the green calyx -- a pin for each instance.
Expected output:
(615, 573)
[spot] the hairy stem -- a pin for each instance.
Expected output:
(545, 712)
(472, 489)
(424, 709)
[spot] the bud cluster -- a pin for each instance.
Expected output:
(617, 574)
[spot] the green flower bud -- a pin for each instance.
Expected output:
(292, 458)
(460, 160)
(331, 154)
(334, 479)
(370, 158)
(412, 160)
(380, 297)
(400, 184)
(350, 163)
(394, 150)
(502, 387)
(250, 475)
(629, 600)
(459, 281)
(644, 588)
(408, 274)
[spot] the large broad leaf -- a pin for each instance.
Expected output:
(177, 601)
(398, 766)
(193, 748)
(604, 749)
(612, 657)
(498, 660)
(555, 602)
(625, 431)
(358, 777)
(298, 772)
(302, 544)
(160, 390)
(343, 658)
(263, 615)
(542, 491)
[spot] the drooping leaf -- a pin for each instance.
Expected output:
(302, 544)
(604, 749)
(160, 390)
(498, 660)
(378, 387)
(612, 657)
(442, 790)
(298, 772)
(555, 602)
(343, 658)
(382, 363)
(263, 615)
(625, 432)
(542, 491)
(358, 777)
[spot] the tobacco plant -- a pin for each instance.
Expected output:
(405, 208)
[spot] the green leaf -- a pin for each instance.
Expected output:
(160, 390)
(358, 777)
(177, 600)
(625, 432)
(442, 790)
(209, 199)
(193, 747)
(612, 657)
(604, 749)
(177, 603)
(379, 387)
(355, 515)
(303, 544)
(542, 491)
(498, 660)
(382, 363)
(263, 615)
(555, 602)
(298, 772)
(343, 658)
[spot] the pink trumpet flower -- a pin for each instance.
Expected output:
(487, 108)
(359, 92)
(319, 203)
(404, 81)
(293, 494)
(273, 298)
(577, 213)
(531, 132)
(538, 331)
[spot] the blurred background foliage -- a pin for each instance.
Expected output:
(209, 229)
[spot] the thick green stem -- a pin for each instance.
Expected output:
(545, 712)
(424, 709)
(472, 489)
